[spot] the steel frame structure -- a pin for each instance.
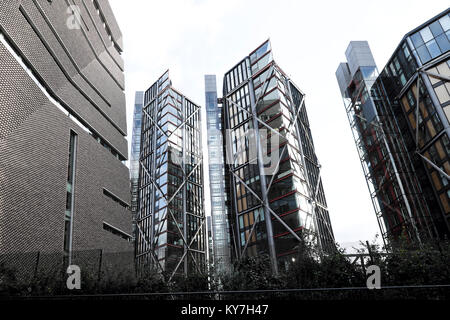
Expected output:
(402, 153)
(171, 221)
(419, 77)
(382, 134)
(220, 235)
(316, 221)
(134, 156)
(422, 75)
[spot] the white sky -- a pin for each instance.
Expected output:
(309, 38)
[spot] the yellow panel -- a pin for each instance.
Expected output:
(431, 128)
(244, 204)
(436, 180)
(440, 150)
(413, 90)
(447, 167)
(405, 103)
(423, 109)
(444, 201)
(412, 120)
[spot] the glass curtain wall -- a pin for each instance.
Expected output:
(171, 233)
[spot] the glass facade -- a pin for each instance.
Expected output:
(423, 101)
(411, 99)
(274, 175)
(393, 184)
(432, 40)
(171, 231)
(135, 152)
(219, 214)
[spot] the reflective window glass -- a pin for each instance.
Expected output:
(443, 43)
(426, 34)
(433, 48)
(417, 39)
(423, 54)
(260, 52)
(436, 28)
(445, 22)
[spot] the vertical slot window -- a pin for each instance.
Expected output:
(68, 217)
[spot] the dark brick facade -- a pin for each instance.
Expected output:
(83, 71)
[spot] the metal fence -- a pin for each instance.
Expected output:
(118, 271)
(422, 292)
(96, 264)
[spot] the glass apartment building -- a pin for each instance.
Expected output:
(135, 151)
(273, 174)
(219, 214)
(401, 127)
(171, 230)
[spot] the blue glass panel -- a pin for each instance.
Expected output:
(260, 52)
(423, 54)
(443, 43)
(433, 48)
(417, 39)
(426, 34)
(368, 72)
(436, 28)
(445, 22)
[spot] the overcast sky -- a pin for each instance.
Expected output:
(309, 38)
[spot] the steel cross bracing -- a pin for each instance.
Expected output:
(395, 138)
(312, 194)
(382, 137)
(151, 243)
(420, 72)
(349, 110)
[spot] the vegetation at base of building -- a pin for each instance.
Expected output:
(403, 264)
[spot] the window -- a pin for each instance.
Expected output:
(436, 28)
(417, 40)
(426, 34)
(423, 54)
(115, 198)
(443, 42)
(68, 217)
(433, 48)
(445, 22)
(116, 231)
(431, 41)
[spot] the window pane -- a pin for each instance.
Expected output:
(443, 43)
(433, 48)
(426, 34)
(423, 54)
(436, 28)
(445, 22)
(417, 39)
